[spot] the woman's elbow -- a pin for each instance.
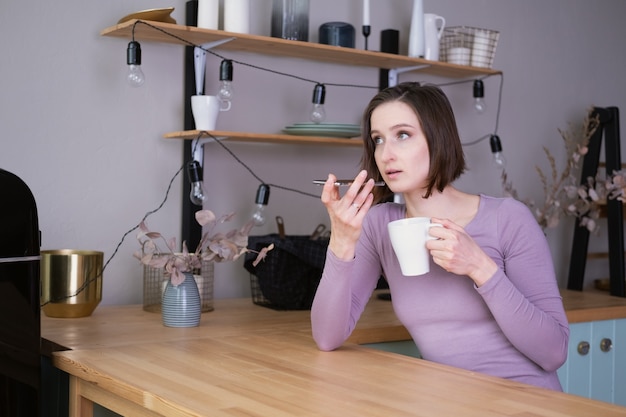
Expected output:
(558, 356)
(326, 343)
(326, 347)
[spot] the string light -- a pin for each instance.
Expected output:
(261, 200)
(318, 114)
(496, 149)
(479, 94)
(133, 59)
(318, 111)
(226, 91)
(194, 173)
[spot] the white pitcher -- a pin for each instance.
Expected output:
(432, 35)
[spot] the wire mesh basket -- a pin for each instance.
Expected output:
(465, 45)
(205, 285)
(155, 279)
(257, 295)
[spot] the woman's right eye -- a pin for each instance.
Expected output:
(377, 140)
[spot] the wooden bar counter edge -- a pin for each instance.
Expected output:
(249, 360)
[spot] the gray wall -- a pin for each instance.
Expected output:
(91, 148)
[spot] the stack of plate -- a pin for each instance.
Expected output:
(337, 130)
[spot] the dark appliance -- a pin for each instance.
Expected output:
(20, 331)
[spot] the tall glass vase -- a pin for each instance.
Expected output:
(181, 305)
(290, 19)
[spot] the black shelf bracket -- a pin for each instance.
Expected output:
(191, 231)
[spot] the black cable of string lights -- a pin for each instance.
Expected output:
(232, 154)
(297, 77)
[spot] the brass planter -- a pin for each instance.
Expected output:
(71, 282)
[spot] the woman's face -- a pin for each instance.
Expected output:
(401, 150)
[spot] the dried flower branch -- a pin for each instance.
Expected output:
(564, 196)
(213, 247)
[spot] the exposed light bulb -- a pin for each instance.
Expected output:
(226, 91)
(499, 161)
(194, 173)
(133, 58)
(261, 200)
(479, 94)
(318, 114)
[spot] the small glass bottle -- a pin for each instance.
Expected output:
(290, 19)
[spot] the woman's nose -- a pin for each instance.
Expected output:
(387, 152)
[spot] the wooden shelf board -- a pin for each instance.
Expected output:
(161, 32)
(264, 138)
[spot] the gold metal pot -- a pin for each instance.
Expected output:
(71, 282)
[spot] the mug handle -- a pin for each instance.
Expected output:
(227, 103)
(428, 236)
(443, 25)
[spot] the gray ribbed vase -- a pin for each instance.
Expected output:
(181, 306)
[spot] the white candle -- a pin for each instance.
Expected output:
(208, 13)
(366, 12)
(237, 16)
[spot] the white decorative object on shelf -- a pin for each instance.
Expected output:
(416, 34)
(237, 16)
(432, 35)
(208, 14)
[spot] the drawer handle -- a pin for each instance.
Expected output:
(583, 348)
(606, 344)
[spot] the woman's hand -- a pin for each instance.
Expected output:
(346, 213)
(456, 252)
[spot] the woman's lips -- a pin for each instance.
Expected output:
(392, 174)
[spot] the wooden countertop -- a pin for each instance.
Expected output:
(121, 325)
(284, 375)
(583, 306)
(112, 326)
(249, 360)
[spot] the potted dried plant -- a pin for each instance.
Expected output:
(181, 299)
(564, 195)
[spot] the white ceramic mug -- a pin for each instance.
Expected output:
(408, 238)
(432, 35)
(205, 110)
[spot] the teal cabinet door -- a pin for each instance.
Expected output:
(575, 374)
(596, 362)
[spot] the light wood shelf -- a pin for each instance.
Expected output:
(265, 138)
(191, 36)
(162, 32)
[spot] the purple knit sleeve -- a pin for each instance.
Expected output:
(343, 292)
(523, 295)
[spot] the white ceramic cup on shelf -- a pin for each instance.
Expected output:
(459, 56)
(408, 238)
(205, 110)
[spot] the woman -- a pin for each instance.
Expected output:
(490, 302)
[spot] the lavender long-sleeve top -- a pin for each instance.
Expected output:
(514, 326)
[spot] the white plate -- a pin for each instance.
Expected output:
(331, 125)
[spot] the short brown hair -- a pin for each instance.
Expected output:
(436, 118)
